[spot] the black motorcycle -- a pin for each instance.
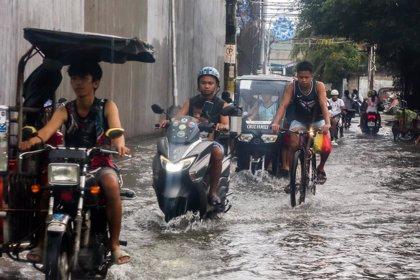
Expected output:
(181, 167)
(76, 238)
(372, 124)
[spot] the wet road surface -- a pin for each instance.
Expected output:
(363, 223)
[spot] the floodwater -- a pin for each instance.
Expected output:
(363, 223)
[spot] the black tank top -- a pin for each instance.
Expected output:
(306, 107)
(198, 102)
(85, 132)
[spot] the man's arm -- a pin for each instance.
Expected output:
(323, 101)
(113, 118)
(184, 109)
(287, 97)
(56, 121)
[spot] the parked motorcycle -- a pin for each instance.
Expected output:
(406, 126)
(181, 166)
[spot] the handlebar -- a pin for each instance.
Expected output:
(89, 151)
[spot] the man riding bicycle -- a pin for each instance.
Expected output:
(208, 85)
(86, 119)
(308, 99)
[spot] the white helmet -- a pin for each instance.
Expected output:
(334, 92)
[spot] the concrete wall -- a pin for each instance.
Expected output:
(200, 38)
(14, 16)
(134, 86)
(362, 83)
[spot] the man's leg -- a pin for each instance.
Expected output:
(216, 162)
(109, 181)
(334, 129)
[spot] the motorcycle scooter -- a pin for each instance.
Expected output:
(181, 166)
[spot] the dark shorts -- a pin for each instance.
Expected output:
(103, 171)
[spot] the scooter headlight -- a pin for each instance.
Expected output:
(245, 137)
(268, 138)
(176, 166)
(66, 174)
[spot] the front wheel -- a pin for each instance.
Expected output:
(298, 178)
(57, 260)
(174, 207)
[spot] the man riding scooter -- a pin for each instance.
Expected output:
(337, 109)
(86, 119)
(208, 85)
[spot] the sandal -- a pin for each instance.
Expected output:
(119, 257)
(321, 177)
(214, 200)
(35, 255)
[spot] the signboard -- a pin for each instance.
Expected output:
(230, 54)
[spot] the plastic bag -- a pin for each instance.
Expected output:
(326, 144)
(318, 143)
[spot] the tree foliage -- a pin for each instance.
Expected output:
(393, 25)
(332, 60)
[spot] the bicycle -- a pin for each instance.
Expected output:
(303, 169)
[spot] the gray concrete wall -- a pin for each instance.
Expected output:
(14, 16)
(200, 39)
(134, 86)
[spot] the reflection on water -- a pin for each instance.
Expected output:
(363, 223)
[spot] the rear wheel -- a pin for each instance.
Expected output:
(298, 179)
(57, 259)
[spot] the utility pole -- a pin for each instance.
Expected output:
(173, 45)
(230, 47)
(372, 66)
(263, 11)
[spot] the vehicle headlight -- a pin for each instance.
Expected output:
(245, 137)
(269, 138)
(63, 174)
(176, 166)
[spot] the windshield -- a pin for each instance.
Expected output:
(260, 99)
(183, 130)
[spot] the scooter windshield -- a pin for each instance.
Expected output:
(183, 130)
(260, 100)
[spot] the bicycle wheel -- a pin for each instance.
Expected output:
(312, 173)
(297, 178)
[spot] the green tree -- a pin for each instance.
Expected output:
(393, 25)
(333, 60)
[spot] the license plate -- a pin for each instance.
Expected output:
(371, 123)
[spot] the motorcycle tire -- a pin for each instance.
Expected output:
(174, 207)
(57, 260)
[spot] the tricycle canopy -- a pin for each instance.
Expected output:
(67, 46)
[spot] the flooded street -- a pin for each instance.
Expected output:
(363, 223)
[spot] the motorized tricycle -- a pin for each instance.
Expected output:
(75, 229)
(256, 146)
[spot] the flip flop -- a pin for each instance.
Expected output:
(321, 177)
(35, 255)
(214, 200)
(120, 257)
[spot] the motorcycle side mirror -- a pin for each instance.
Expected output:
(157, 109)
(226, 97)
(113, 133)
(232, 110)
